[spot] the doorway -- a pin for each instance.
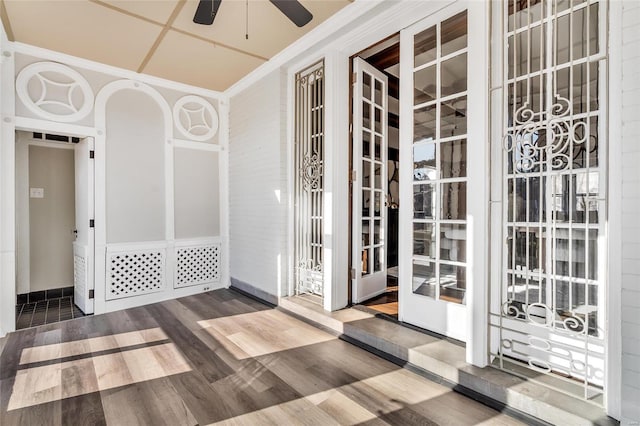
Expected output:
(53, 194)
(375, 179)
(411, 233)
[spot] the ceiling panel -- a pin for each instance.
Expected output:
(123, 33)
(269, 30)
(83, 29)
(156, 10)
(193, 61)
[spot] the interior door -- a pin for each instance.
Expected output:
(83, 246)
(433, 173)
(370, 184)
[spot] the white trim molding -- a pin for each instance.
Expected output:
(7, 188)
(613, 321)
(100, 178)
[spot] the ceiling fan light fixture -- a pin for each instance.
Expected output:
(292, 9)
(206, 11)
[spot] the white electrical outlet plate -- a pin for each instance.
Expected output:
(36, 192)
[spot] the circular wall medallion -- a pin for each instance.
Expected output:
(195, 118)
(55, 92)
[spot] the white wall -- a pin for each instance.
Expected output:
(630, 210)
(258, 186)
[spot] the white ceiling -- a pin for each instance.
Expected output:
(158, 37)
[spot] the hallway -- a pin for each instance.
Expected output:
(218, 357)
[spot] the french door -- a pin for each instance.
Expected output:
(433, 173)
(370, 185)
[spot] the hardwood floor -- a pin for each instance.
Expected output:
(386, 303)
(214, 358)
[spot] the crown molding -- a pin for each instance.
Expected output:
(321, 33)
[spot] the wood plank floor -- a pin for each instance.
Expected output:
(214, 358)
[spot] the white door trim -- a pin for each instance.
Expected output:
(613, 342)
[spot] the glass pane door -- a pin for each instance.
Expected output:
(435, 152)
(370, 186)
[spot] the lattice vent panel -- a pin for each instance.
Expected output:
(135, 273)
(197, 265)
(79, 273)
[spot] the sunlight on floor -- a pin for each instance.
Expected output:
(94, 344)
(338, 406)
(38, 385)
(264, 332)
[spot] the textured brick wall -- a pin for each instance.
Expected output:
(257, 184)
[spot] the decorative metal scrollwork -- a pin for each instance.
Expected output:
(304, 80)
(310, 275)
(542, 136)
(311, 171)
(309, 177)
(195, 118)
(542, 315)
(55, 92)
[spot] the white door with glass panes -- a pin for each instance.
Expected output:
(370, 184)
(433, 173)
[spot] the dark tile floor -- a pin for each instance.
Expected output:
(46, 312)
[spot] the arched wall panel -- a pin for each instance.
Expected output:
(135, 169)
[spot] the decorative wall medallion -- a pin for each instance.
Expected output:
(54, 92)
(195, 118)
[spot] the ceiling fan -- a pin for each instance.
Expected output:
(292, 9)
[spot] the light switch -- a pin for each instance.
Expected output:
(36, 192)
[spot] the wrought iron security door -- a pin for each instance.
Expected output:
(309, 179)
(550, 309)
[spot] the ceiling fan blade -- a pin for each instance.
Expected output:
(206, 11)
(294, 10)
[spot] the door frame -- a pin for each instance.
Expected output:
(44, 127)
(23, 227)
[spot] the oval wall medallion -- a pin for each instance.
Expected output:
(195, 118)
(55, 92)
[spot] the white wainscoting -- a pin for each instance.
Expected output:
(137, 274)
